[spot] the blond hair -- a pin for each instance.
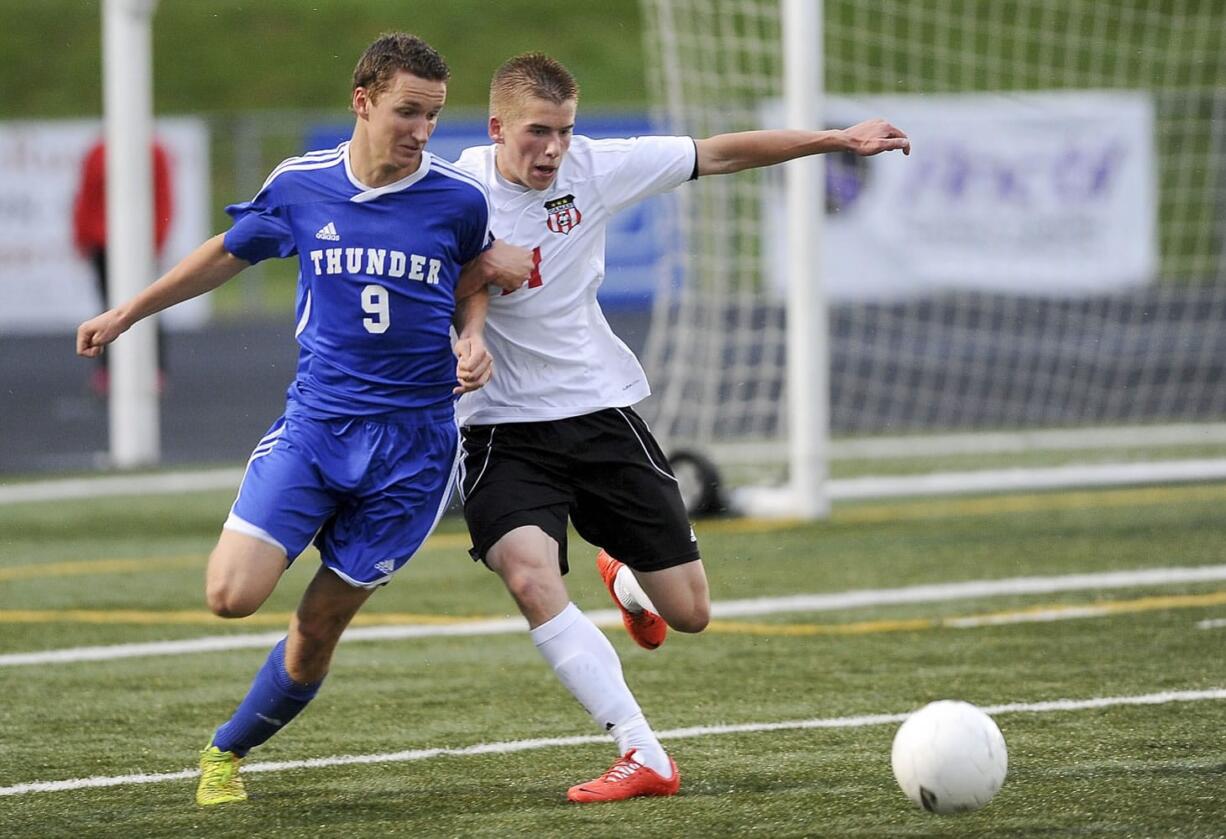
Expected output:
(532, 75)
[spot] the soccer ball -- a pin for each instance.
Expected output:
(949, 757)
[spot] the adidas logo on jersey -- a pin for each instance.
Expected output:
(387, 566)
(328, 233)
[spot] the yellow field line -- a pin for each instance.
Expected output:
(1030, 503)
(195, 617)
(97, 566)
(85, 567)
(1033, 614)
(860, 514)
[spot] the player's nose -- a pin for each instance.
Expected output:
(421, 131)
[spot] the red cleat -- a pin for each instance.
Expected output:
(626, 778)
(646, 628)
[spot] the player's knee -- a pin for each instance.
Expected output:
(526, 577)
(526, 585)
(226, 601)
(242, 572)
(695, 620)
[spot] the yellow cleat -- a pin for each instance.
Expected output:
(219, 780)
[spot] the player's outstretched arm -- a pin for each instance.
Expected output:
(202, 270)
(474, 364)
(501, 264)
(726, 153)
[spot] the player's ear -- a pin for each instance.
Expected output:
(361, 102)
(495, 129)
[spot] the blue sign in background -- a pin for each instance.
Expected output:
(637, 236)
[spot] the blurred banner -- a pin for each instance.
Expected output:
(1046, 193)
(45, 284)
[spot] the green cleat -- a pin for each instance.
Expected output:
(219, 780)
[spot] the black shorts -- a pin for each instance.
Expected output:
(604, 471)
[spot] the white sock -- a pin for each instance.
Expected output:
(588, 666)
(637, 734)
(629, 593)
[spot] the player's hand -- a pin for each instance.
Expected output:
(97, 332)
(874, 136)
(507, 266)
(474, 365)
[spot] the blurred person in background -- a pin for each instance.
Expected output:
(89, 233)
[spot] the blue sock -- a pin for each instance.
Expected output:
(273, 700)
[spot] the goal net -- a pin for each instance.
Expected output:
(1040, 285)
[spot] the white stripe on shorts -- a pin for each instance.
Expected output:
(239, 525)
(644, 445)
(463, 472)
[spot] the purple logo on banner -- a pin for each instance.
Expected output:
(1079, 173)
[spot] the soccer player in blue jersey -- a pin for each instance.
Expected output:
(362, 461)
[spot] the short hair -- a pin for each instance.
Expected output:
(532, 74)
(395, 51)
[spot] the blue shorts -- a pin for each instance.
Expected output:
(368, 490)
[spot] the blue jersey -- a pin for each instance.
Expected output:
(377, 274)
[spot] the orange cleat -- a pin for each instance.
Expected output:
(646, 628)
(626, 778)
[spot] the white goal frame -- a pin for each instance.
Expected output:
(807, 447)
(135, 427)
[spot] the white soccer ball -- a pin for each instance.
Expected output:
(949, 757)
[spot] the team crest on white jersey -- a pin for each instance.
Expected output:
(563, 214)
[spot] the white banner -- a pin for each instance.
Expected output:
(1050, 193)
(45, 284)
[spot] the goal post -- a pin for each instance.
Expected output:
(1040, 285)
(807, 359)
(127, 100)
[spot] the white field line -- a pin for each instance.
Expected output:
(111, 485)
(968, 590)
(910, 446)
(512, 746)
(1214, 623)
(217, 643)
(1044, 616)
(1026, 479)
(1020, 442)
(839, 489)
(725, 609)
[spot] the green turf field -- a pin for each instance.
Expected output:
(118, 571)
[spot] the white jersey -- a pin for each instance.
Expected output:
(554, 353)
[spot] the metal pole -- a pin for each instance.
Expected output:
(127, 99)
(808, 371)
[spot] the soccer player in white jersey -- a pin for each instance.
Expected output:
(553, 435)
(363, 459)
